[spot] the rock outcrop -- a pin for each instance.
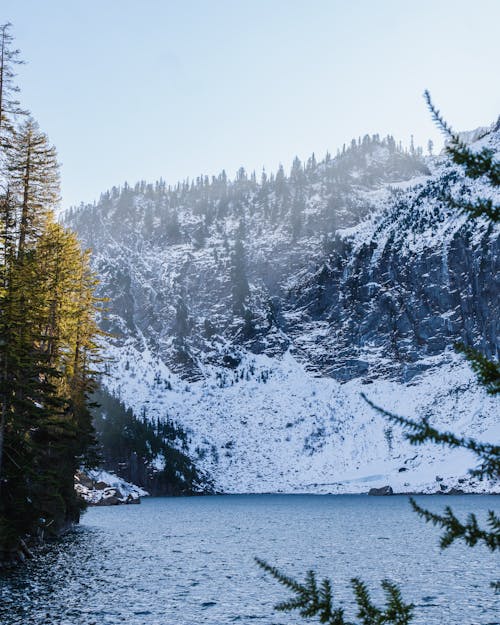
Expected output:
(382, 491)
(100, 488)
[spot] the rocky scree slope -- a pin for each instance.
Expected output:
(253, 312)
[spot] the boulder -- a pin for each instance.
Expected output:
(111, 491)
(108, 501)
(384, 490)
(84, 480)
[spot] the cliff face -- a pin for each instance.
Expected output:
(239, 308)
(404, 285)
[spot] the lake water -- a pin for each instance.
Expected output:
(184, 561)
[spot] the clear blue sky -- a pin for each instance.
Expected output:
(138, 89)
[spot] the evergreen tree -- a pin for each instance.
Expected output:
(297, 180)
(48, 359)
(476, 165)
(316, 600)
(9, 104)
(182, 324)
(240, 288)
(33, 175)
(47, 335)
(131, 447)
(173, 228)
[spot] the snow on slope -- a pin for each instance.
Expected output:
(381, 278)
(271, 426)
(99, 487)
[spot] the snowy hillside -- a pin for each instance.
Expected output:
(254, 314)
(270, 426)
(100, 488)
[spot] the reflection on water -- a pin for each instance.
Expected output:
(190, 560)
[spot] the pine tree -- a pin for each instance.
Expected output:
(316, 600)
(7, 244)
(48, 350)
(240, 288)
(65, 331)
(49, 359)
(476, 165)
(297, 180)
(33, 175)
(9, 104)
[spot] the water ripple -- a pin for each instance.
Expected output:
(186, 561)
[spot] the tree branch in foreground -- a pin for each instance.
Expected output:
(313, 600)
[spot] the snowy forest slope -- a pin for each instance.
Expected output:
(254, 312)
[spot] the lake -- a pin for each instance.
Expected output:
(184, 561)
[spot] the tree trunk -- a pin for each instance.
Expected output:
(24, 214)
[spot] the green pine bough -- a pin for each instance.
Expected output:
(316, 600)
(476, 165)
(420, 432)
(487, 371)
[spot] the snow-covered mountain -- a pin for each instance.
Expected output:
(254, 313)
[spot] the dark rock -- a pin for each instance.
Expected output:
(110, 497)
(384, 490)
(230, 361)
(84, 480)
(402, 469)
(455, 491)
(109, 501)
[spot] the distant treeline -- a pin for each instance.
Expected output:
(153, 208)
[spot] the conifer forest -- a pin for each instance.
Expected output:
(249, 312)
(48, 331)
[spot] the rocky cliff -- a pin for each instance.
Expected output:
(252, 312)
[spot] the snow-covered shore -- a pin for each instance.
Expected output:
(101, 488)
